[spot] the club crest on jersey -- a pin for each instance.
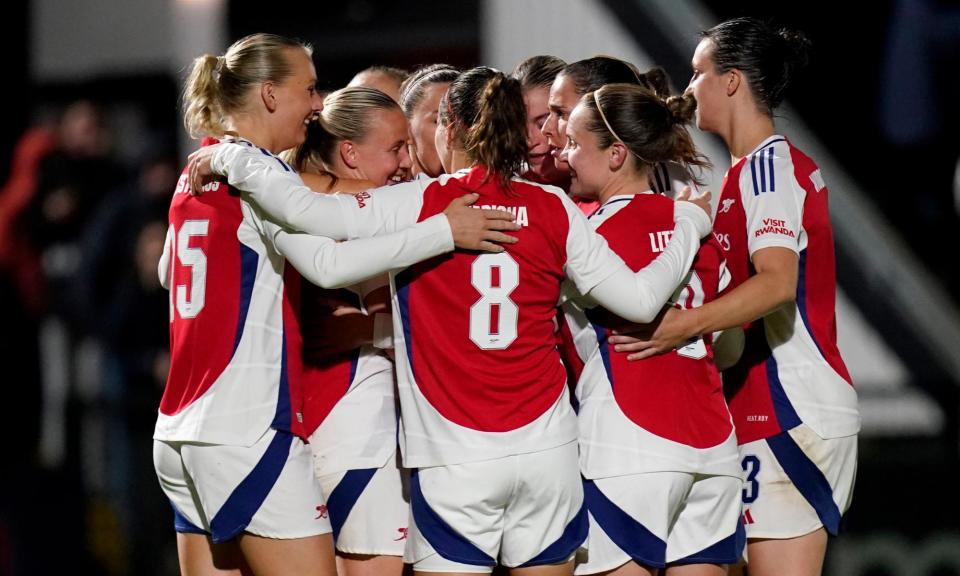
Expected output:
(727, 204)
(519, 212)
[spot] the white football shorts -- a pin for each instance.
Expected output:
(518, 511)
(267, 489)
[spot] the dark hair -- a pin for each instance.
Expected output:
(412, 89)
(651, 127)
(484, 108)
(767, 57)
(538, 71)
(592, 73)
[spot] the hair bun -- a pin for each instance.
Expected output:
(682, 108)
(657, 80)
(798, 47)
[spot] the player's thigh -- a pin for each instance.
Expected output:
(800, 556)
(369, 565)
(563, 569)
(199, 556)
(310, 556)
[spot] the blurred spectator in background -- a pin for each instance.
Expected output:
(58, 177)
(126, 312)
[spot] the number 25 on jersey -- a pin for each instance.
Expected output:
(493, 318)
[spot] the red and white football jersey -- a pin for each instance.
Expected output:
(478, 372)
(236, 366)
(349, 402)
(790, 371)
(667, 412)
(234, 343)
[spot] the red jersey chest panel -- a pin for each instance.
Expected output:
(211, 280)
(678, 395)
(230, 316)
(479, 328)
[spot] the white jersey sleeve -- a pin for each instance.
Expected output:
(599, 273)
(332, 264)
(772, 200)
(286, 200)
(163, 266)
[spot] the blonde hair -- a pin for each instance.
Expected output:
(218, 85)
(347, 115)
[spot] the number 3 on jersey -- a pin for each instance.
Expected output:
(493, 318)
(194, 259)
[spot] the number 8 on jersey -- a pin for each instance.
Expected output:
(493, 318)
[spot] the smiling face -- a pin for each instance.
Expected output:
(382, 156)
(423, 128)
(296, 101)
(589, 163)
(562, 100)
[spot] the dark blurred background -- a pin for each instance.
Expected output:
(91, 148)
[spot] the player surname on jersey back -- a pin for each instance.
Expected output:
(519, 212)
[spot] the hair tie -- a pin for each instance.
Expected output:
(610, 128)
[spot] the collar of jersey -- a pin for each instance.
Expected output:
(622, 197)
(765, 143)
